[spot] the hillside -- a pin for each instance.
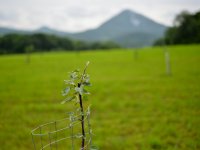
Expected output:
(5, 30)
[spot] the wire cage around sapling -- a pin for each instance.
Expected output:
(63, 134)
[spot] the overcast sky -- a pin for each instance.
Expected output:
(79, 15)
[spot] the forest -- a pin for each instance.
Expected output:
(186, 30)
(22, 43)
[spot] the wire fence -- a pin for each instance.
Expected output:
(63, 134)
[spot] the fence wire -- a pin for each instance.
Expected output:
(63, 134)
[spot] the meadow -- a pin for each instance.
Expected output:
(135, 105)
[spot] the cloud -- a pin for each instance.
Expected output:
(80, 15)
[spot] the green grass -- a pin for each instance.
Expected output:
(134, 104)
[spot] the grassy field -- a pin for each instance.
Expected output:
(135, 106)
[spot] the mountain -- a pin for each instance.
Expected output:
(128, 28)
(4, 30)
(48, 30)
(136, 39)
(44, 29)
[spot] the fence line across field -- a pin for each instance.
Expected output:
(53, 142)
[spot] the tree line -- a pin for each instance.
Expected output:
(20, 43)
(185, 30)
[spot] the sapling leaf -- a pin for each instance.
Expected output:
(66, 91)
(73, 75)
(68, 99)
(79, 90)
(79, 135)
(77, 100)
(87, 63)
(87, 83)
(69, 82)
(88, 109)
(85, 92)
(78, 109)
(87, 78)
(76, 91)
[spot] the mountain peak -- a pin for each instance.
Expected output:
(127, 11)
(130, 21)
(49, 30)
(44, 28)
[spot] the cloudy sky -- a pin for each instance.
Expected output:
(79, 15)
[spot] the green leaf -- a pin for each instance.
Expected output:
(79, 90)
(85, 92)
(69, 82)
(74, 75)
(87, 78)
(65, 91)
(87, 83)
(68, 99)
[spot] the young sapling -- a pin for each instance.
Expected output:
(75, 91)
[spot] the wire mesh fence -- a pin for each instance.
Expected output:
(63, 134)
